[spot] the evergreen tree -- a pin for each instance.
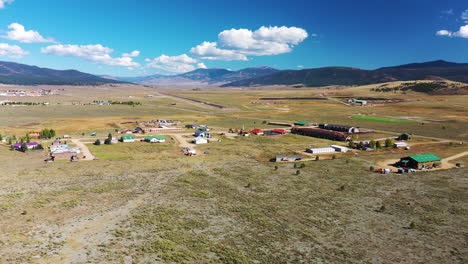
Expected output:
(97, 142)
(372, 144)
(378, 145)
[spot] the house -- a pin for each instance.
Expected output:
(400, 144)
(257, 131)
(279, 131)
(358, 101)
(288, 158)
(29, 146)
(139, 130)
(34, 134)
(340, 148)
(301, 123)
(404, 136)
(321, 133)
(340, 128)
(66, 137)
(202, 133)
(192, 126)
(127, 139)
(320, 150)
(421, 161)
(155, 139)
(200, 140)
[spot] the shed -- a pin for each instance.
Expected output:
(127, 139)
(340, 148)
(421, 161)
(288, 158)
(320, 150)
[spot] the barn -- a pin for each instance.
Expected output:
(321, 133)
(340, 128)
(421, 161)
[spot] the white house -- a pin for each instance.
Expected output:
(320, 150)
(340, 148)
(400, 144)
(200, 140)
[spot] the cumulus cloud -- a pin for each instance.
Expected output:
(17, 32)
(3, 2)
(210, 51)
(94, 53)
(237, 44)
(462, 32)
(12, 51)
(175, 64)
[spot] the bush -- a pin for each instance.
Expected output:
(317, 158)
(371, 168)
(97, 142)
(298, 172)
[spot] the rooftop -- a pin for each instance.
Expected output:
(425, 158)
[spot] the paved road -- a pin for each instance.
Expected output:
(84, 149)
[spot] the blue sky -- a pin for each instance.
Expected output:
(176, 36)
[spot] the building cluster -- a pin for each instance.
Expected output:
(42, 92)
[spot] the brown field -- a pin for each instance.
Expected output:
(147, 203)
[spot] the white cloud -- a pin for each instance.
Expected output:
(18, 33)
(462, 32)
(201, 65)
(12, 51)
(237, 44)
(3, 2)
(209, 51)
(94, 53)
(174, 64)
(444, 33)
(300, 66)
(134, 53)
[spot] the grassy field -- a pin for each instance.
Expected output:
(147, 203)
(383, 119)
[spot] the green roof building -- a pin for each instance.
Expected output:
(301, 123)
(421, 161)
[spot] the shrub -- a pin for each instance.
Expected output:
(97, 142)
(371, 168)
(317, 158)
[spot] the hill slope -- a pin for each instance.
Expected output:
(16, 73)
(436, 70)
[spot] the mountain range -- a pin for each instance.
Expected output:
(200, 77)
(16, 73)
(433, 70)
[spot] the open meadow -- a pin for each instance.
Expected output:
(148, 203)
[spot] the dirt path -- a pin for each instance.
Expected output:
(455, 156)
(84, 149)
(182, 141)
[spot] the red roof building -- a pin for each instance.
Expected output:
(257, 131)
(279, 131)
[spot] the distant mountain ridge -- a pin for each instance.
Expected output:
(22, 74)
(433, 70)
(201, 77)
